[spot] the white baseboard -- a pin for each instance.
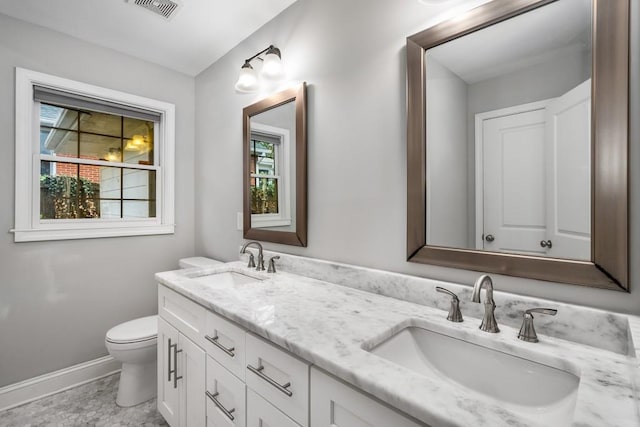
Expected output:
(54, 382)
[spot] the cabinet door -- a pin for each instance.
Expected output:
(261, 413)
(191, 367)
(334, 404)
(168, 394)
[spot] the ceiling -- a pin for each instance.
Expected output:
(544, 34)
(197, 34)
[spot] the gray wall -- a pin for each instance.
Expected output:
(57, 299)
(447, 153)
(352, 55)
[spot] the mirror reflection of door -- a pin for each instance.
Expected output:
(534, 170)
(508, 143)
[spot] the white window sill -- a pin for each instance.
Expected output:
(37, 235)
(257, 222)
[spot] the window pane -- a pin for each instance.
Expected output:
(56, 142)
(139, 143)
(110, 209)
(264, 196)
(138, 150)
(98, 147)
(138, 184)
(101, 123)
(139, 209)
(63, 195)
(58, 117)
(108, 180)
(264, 157)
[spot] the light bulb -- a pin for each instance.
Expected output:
(272, 68)
(247, 80)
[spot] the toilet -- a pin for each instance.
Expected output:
(134, 343)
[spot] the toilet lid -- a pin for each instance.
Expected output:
(142, 329)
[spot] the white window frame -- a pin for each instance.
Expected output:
(282, 159)
(28, 225)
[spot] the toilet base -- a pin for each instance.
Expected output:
(138, 383)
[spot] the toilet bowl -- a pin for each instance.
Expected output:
(134, 343)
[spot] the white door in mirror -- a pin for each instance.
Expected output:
(514, 182)
(569, 174)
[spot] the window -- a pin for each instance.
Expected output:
(270, 193)
(90, 162)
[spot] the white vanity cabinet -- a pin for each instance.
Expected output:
(213, 372)
(335, 404)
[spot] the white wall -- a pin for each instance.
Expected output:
(57, 299)
(447, 154)
(352, 55)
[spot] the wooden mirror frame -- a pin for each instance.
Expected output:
(609, 153)
(299, 237)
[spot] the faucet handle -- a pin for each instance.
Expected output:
(252, 261)
(454, 311)
(527, 331)
(272, 264)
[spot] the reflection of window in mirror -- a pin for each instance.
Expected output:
(270, 192)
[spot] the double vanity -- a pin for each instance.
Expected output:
(319, 344)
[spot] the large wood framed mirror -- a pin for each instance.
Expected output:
(517, 141)
(275, 168)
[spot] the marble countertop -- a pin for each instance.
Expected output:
(331, 325)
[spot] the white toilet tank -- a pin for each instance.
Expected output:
(198, 261)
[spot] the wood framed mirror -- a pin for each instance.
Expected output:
(275, 168)
(603, 260)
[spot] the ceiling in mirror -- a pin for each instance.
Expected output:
(508, 135)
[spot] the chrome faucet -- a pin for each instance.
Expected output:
(260, 264)
(489, 323)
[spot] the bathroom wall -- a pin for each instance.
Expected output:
(447, 158)
(57, 299)
(352, 55)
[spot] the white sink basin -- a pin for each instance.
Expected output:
(540, 393)
(227, 279)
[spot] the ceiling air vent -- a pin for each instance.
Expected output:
(162, 7)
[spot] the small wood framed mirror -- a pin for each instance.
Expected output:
(275, 168)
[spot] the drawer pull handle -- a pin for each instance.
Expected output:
(220, 406)
(215, 342)
(282, 387)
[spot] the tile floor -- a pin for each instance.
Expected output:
(91, 404)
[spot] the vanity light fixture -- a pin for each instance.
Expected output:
(272, 70)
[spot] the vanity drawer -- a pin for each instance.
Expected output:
(261, 413)
(225, 342)
(225, 397)
(185, 315)
(336, 404)
(280, 378)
